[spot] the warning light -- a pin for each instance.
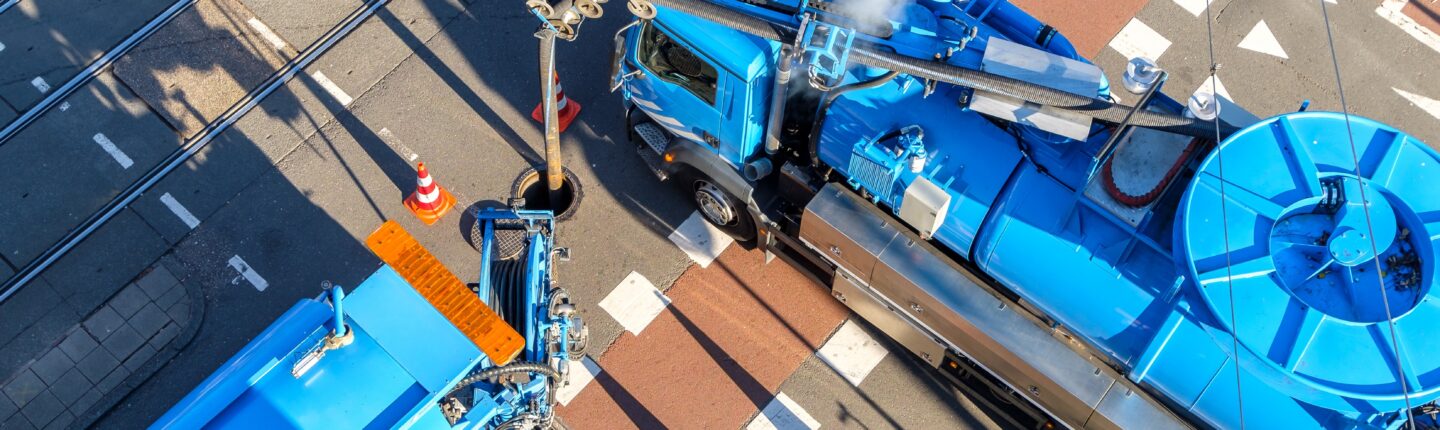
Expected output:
(669, 157)
(954, 365)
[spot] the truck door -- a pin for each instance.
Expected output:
(678, 88)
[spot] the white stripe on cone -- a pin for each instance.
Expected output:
(424, 180)
(429, 198)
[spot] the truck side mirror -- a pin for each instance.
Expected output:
(618, 57)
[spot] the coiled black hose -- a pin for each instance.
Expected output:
(507, 291)
(874, 56)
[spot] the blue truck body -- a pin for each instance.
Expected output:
(1173, 291)
(408, 355)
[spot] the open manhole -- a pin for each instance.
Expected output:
(530, 185)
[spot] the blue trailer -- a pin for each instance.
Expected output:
(411, 346)
(964, 181)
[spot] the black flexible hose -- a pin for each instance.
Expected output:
(825, 109)
(875, 57)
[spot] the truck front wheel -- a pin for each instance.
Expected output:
(722, 210)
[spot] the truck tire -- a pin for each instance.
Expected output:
(719, 208)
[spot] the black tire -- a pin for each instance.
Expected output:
(706, 195)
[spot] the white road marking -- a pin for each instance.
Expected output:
(700, 240)
(248, 273)
(1429, 105)
(852, 352)
(64, 106)
(1262, 40)
(114, 151)
(2, 47)
(1219, 87)
(395, 144)
(1139, 40)
(1195, 7)
(782, 413)
(581, 373)
(333, 89)
(179, 210)
(40, 84)
(635, 302)
(265, 32)
(1392, 10)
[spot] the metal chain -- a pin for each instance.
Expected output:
(1370, 229)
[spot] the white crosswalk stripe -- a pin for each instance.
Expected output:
(1139, 40)
(782, 413)
(1429, 105)
(852, 352)
(1393, 11)
(635, 302)
(581, 373)
(700, 240)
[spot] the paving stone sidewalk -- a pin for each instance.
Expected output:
(105, 356)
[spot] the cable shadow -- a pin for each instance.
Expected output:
(636, 411)
(456, 84)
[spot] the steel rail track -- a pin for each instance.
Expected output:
(5, 5)
(190, 148)
(90, 72)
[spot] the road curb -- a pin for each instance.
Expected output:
(195, 296)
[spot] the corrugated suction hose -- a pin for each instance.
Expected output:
(875, 56)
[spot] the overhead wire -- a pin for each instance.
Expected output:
(1369, 225)
(1224, 214)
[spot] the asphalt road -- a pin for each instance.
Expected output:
(297, 184)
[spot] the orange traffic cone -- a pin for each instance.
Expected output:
(430, 201)
(567, 110)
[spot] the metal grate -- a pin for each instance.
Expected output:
(653, 136)
(873, 175)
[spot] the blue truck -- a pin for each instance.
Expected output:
(968, 184)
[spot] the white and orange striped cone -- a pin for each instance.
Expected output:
(566, 109)
(430, 201)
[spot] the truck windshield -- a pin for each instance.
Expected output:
(672, 62)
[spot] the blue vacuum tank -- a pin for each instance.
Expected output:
(1321, 266)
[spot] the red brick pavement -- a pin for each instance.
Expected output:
(1089, 24)
(732, 334)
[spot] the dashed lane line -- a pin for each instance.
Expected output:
(782, 413)
(247, 273)
(394, 143)
(180, 211)
(114, 151)
(266, 33)
(333, 89)
(40, 84)
(635, 302)
(1392, 10)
